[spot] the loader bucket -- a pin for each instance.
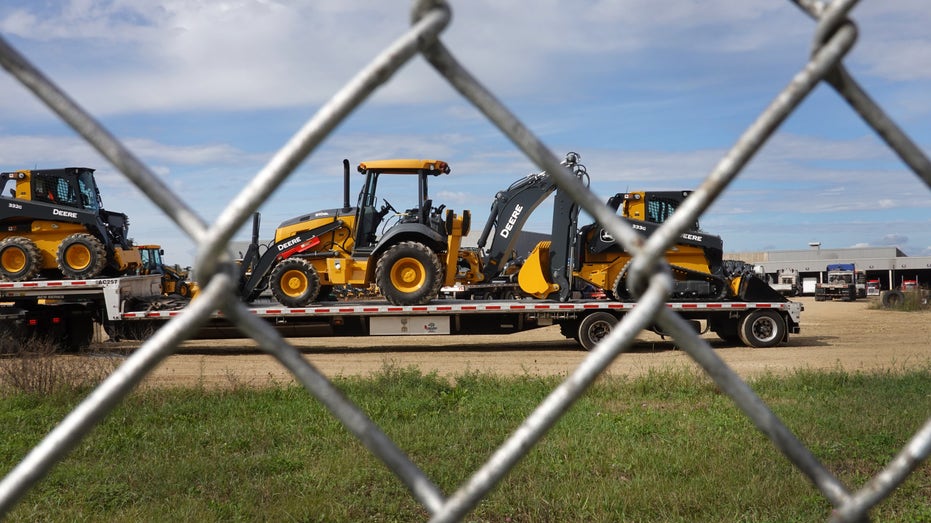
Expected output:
(752, 288)
(533, 277)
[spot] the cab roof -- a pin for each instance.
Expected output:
(406, 166)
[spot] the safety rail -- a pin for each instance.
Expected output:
(834, 36)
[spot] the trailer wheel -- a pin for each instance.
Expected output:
(81, 256)
(409, 273)
(762, 328)
(19, 259)
(295, 282)
(594, 328)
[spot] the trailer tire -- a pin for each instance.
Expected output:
(409, 273)
(594, 328)
(295, 282)
(19, 259)
(81, 256)
(762, 328)
(892, 298)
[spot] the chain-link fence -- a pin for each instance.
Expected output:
(834, 36)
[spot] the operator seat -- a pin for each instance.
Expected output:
(424, 216)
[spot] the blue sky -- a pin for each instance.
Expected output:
(650, 94)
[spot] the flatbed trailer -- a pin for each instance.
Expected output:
(69, 309)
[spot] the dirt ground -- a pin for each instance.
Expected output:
(852, 336)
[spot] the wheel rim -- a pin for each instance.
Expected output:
(13, 260)
(408, 275)
(599, 330)
(764, 329)
(78, 257)
(294, 283)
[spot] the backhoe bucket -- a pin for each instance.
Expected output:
(534, 276)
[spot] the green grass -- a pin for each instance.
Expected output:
(665, 447)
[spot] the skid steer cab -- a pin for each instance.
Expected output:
(408, 255)
(54, 225)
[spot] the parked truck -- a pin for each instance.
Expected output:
(787, 282)
(844, 282)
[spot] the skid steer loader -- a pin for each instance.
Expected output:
(54, 224)
(409, 255)
(589, 254)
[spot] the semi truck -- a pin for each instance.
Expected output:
(844, 282)
(132, 307)
(787, 282)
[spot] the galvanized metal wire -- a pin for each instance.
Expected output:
(834, 36)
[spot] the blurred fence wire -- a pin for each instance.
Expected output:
(834, 36)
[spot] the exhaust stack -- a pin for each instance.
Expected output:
(345, 185)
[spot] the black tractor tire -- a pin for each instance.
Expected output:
(20, 259)
(619, 291)
(594, 328)
(892, 299)
(81, 256)
(409, 273)
(762, 328)
(295, 282)
(735, 268)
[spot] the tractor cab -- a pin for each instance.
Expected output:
(650, 206)
(71, 187)
(151, 259)
(369, 218)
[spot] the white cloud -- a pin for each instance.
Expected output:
(179, 54)
(893, 239)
